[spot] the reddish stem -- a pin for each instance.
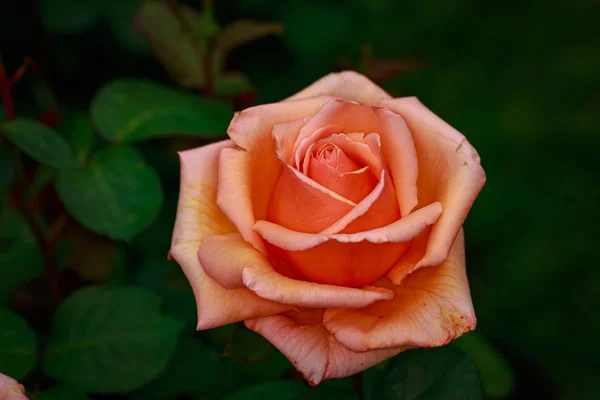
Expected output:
(5, 93)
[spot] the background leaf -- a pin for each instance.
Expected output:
(239, 33)
(77, 129)
(424, 374)
(71, 16)
(198, 368)
(20, 256)
(110, 339)
(497, 376)
(39, 142)
(293, 390)
(115, 194)
(129, 110)
(61, 392)
(179, 51)
(248, 346)
(18, 353)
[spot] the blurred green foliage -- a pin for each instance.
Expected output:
(519, 79)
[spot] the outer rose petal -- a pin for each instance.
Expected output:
(348, 85)
(199, 216)
(234, 193)
(251, 130)
(449, 171)
(431, 307)
(231, 260)
(10, 389)
(302, 338)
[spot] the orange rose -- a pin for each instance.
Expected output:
(331, 224)
(11, 389)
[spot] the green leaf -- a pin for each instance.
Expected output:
(197, 368)
(115, 194)
(71, 16)
(275, 390)
(293, 390)
(180, 51)
(61, 392)
(239, 33)
(17, 345)
(497, 376)
(423, 374)
(121, 21)
(20, 256)
(129, 110)
(248, 346)
(39, 142)
(77, 129)
(192, 370)
(156, 240)
(166, 279)
(110, 339)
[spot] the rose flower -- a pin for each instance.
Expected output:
(331, 224)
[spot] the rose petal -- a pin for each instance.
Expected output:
(396, 142)
(223, 258)
(401, 230)
(312, 350)
(299, 203)
(410, 261)
(347, 259)
(400, 154)
(431, 307)
(233, 262)
(234, 195)
(198, 216)
(285, 135)
(303, 144)
(353, 186)
(376, 209)
(261, 278)
(450, 172)
(348, 85)
(251, 129)
(10, 389)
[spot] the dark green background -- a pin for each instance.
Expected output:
(519, 78)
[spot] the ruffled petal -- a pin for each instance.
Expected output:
(348, 85)
(312, 350)
(431, 307)
(198, 216)
(251, 129)
(449, 172)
